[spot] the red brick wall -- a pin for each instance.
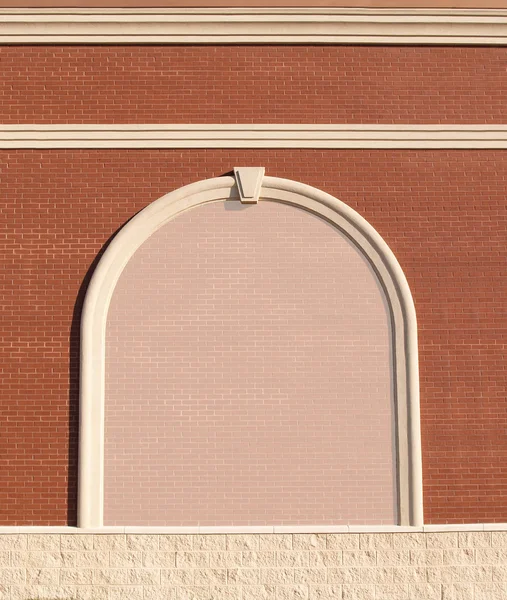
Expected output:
(266, 84)
(441, 212)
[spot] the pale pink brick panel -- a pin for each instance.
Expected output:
(248, 376)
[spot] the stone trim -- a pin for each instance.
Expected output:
(154, 216)
(334, 136)
(253, 26)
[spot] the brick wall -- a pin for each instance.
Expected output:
(441, 212)
(466, 565)
(248, 84)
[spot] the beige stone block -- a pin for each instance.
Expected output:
(393, 591)
(474, 539)
(176, 542)
(361, 575)
(292, 559)
(210, 543)
(236, 543)
(358, 592)
(192, 560)
(44, 542)
(499, 539)
(225, 592)
(458, 591)
(459, 574)
(5, 592)
(376, 541)
(159, 593)
(330, 558)
(359, 558)
(425, 591)
(210, 577)
(10, 542)
(499, 572)
(90, 560)
(410, 575)
(447, 539)
(143, 576)
(396, 558)
(124, 593)
(277, 576)
(243, 576)
(459, 556)
(432, 557)
(5, 559)
(292, 592)
(310, 576)
(105, 542)
(159, 559)
(42, 576)
(490, 591)
(259, 592)
(225, 559)
(125, 558)
(43, 592)
(76, 542)
(87, 592)
(35, 560)
(76, 576)
(325, 592)
(193, 593)
(309, 541)
(491, 556)
(258, 559)
(277, 541)
(176, 577)
(142, 542)
(110, 576)
(342, 541)
(409, 541)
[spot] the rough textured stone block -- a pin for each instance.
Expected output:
(77, 542)
(125, 558)
(277, 576)
(258, 559)
(76, 576)
(44, 542)
(430, 557)
(259, 592)
(342, 541)
(210, 577)
(376, 541)
(491, 556)
(105, 542)
(243, 576)
(90, 560)
(177, 577)
(362, 558)
(410, 575)
(43, 592)
(493, 591)
(409, 541)
(110, 576)
(448, 539)
(310, 576)
(458, 592)
(176, 542)
(358, 592)
(13, 542)
(474, 539)
(43, 576)
(192, 560)
(309, 541)
(332, 558)
(292, 559)
(193, 593)
(278, 541)
(159, 559)
(292, 592)
(394, 591)
(236, 543)
(122, 593)
(142, 543)
(159, 593)
(360, 575)
(210, 543)
(425, 591)
(226, 559)
(396, 558)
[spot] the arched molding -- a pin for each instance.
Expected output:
(157, 214)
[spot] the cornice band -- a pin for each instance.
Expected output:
(254, 136)
(254, 26)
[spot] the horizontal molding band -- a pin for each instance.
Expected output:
(254, 26)
(260, 529)
(254, 136)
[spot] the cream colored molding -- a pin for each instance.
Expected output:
(254, 136)
(366, 530)
(253, 26)
(224, 189)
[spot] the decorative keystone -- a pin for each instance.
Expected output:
(249, 182)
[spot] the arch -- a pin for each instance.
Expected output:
(346, 220)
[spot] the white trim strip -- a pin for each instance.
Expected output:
(254, 136)
(365, 529)
(253, 26)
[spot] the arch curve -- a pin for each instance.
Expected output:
(157, 214)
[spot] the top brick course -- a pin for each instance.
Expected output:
(252, 84)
